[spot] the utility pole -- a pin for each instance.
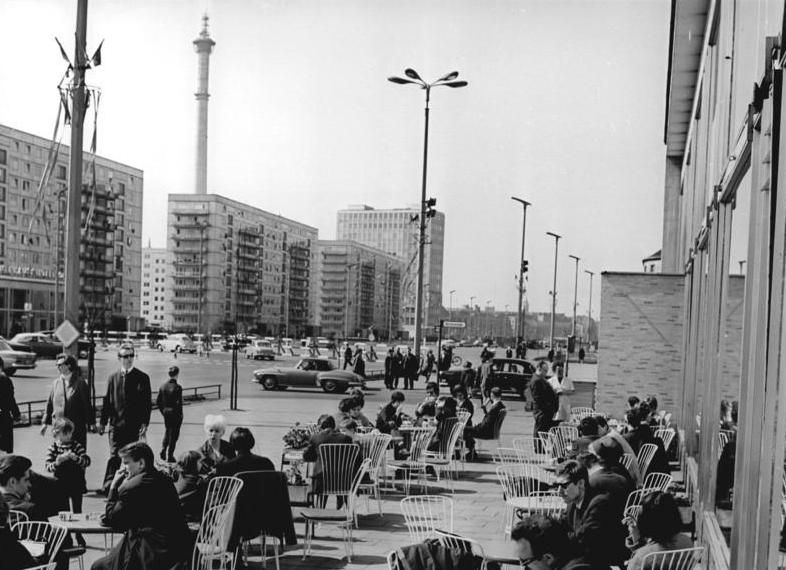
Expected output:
(575, 293)
(74, 211)
(589, 313)
(553, 289)
(471, 311)
(520, 314)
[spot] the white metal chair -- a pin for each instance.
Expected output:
(339, 463)
(683, 559)
(562, 438)
(441, 460)
(627, 460)
(462, 544)
(546, 444)
(496, 433)
(631, 513)
(424, 514)
(546, 503)
(221, 491)
(373, 447)
(43, 536)
(635, 498)
(463, 416)
(416, 462)
(579, 413)
(50, 566)
(16, 517)
(344, 518)
(666, 435)
(508, 456)
(646, 453)
(519, 481)
(657, 482)
(211, 549)
(723, 440)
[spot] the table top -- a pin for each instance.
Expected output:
(84, 525)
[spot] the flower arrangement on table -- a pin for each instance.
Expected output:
(297, 437)
(294, 473)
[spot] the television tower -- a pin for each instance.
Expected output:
(204, 46)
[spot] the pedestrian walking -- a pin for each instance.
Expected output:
(390, 359)
(9, 413)
(428, 365)
(581, 355)
(69, 398)
(485, 377)
(347, 356)
(411, 368)
(550, 355)
(170, 403)
(127, 407)
(359, 365)
(508, 352)
(398, 368)
(468, 378)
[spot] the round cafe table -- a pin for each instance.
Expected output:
(80, 523)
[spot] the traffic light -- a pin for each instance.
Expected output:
(430, 207)
(524, 266)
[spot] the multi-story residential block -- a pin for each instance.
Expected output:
(359, 289)
(236, 268)
(32, 225)
(155, 266)
(395, 231)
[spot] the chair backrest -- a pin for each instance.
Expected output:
(666, 435)
(50, 566)
(498, 423)
(365, 465)
(627, 460)
(562, 437)
(38, 531)
(646, 453)
(312, 429)
(420, 440)
(658, 481)
(339, 462)
(522, 479)
(221, 491)
(425, 514)
(460, 543)
(683, 559)
(631, 513)
(546, 443)
(546, 503)
(373, 447)
(579, 413)
(212, 542)
(635, 498)
(450, 429)
(463, 416)
(15, 517)
(508, 456)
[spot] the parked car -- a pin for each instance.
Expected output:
(309, 372)
(177, 343)
(45, 345)
(12, 360)
(260, 350)
(510, 374)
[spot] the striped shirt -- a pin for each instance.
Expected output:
(56, 449)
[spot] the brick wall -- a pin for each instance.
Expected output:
(640, 339)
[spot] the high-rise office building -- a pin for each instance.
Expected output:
(32, 227)
(395, 231)
(236, 268)
(155, 266)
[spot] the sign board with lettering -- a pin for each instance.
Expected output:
(454, 325)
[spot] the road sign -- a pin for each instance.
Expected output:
(454, 324)
(67, 333)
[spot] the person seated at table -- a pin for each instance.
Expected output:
(190, 485)
(607, 475)
(656, 417)
(428, 408)
(142, 502)
(543, 543)
(657, 528)
(348, 427)
(605, 430)
(215, 450)
(391, 414)
(593, 521)
(485, 429)
(327, 434)
(14, 554)
(242, 441)
(464, 402)
(351, 408)
(37, 496)
(588, 432)
(446, 418)
(641, 433)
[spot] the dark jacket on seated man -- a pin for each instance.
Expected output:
(329, 434)
(641, 434)
(485, 428)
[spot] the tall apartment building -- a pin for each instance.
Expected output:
(236, 268)
(155, 266)
(396, 232)
(359, 290)
(32, 227)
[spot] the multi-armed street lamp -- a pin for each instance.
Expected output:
(554, 288)
(448, 80)
(522, 270)
(575, 294)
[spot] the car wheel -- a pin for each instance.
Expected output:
(330, 386)
(269, 383)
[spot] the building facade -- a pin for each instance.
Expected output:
(395, 231)
(32, 227)
(236, 268)
(359, 290)
(155, 266)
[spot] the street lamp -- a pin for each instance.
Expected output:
(346, 303)
(589, 312)
(575, 293)
(489, 321)
(471, 311)
(413, 78)
(554, 288)
(451, 302)
(522, 270)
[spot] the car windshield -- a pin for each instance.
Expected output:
(4, 345)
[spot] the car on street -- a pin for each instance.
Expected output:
(12, 360)
(177, 343)
(509, 374)
(309, 372)
(44, 344)
(260, 349)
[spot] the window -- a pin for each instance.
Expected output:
(61, 172)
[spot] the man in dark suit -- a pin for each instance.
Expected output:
(608, 476)
(544, 401)
(592, 518)
(411, 368)
(588, 432)
(127, 407)
(242, 440)
(9, 412)
(485, 428)
(170, 403)
(143, 503)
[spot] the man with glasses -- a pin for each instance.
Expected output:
(127, 407)
(542, 543)
(593, 518)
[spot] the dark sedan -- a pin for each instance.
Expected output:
(309, 373)
(44, 345)
(509, 374)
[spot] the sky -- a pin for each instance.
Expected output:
(564, 108)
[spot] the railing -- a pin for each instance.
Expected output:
(33, 410)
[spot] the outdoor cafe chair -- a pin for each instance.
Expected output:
(658, 482)
(16, 517)
(495, 434)
(666, 435)
(464, 416)
(462, 544)
(424, 514)
(635, 498)
(344, 518)
(508, 456)
(416, 462)
(579, 413)
(627, 460)
(562, 438)
(211, 549)
(442, 459)
(517, 482)
(546, 445)
(42, 539)
(527, 448)
(682, 559)
(339, 463)
(50, 566)
(646, 453)
(221, 491)
(547, 503)
(724, 436)
(373, 446)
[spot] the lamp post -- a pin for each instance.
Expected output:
(553, 288)
(346, 301)
(489, 321)
(575, 294)
(413, 78)
(519, 314)
(589, 312)
(202, 227)
(471, 312)
(451, 302)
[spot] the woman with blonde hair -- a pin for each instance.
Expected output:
(215, 450)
